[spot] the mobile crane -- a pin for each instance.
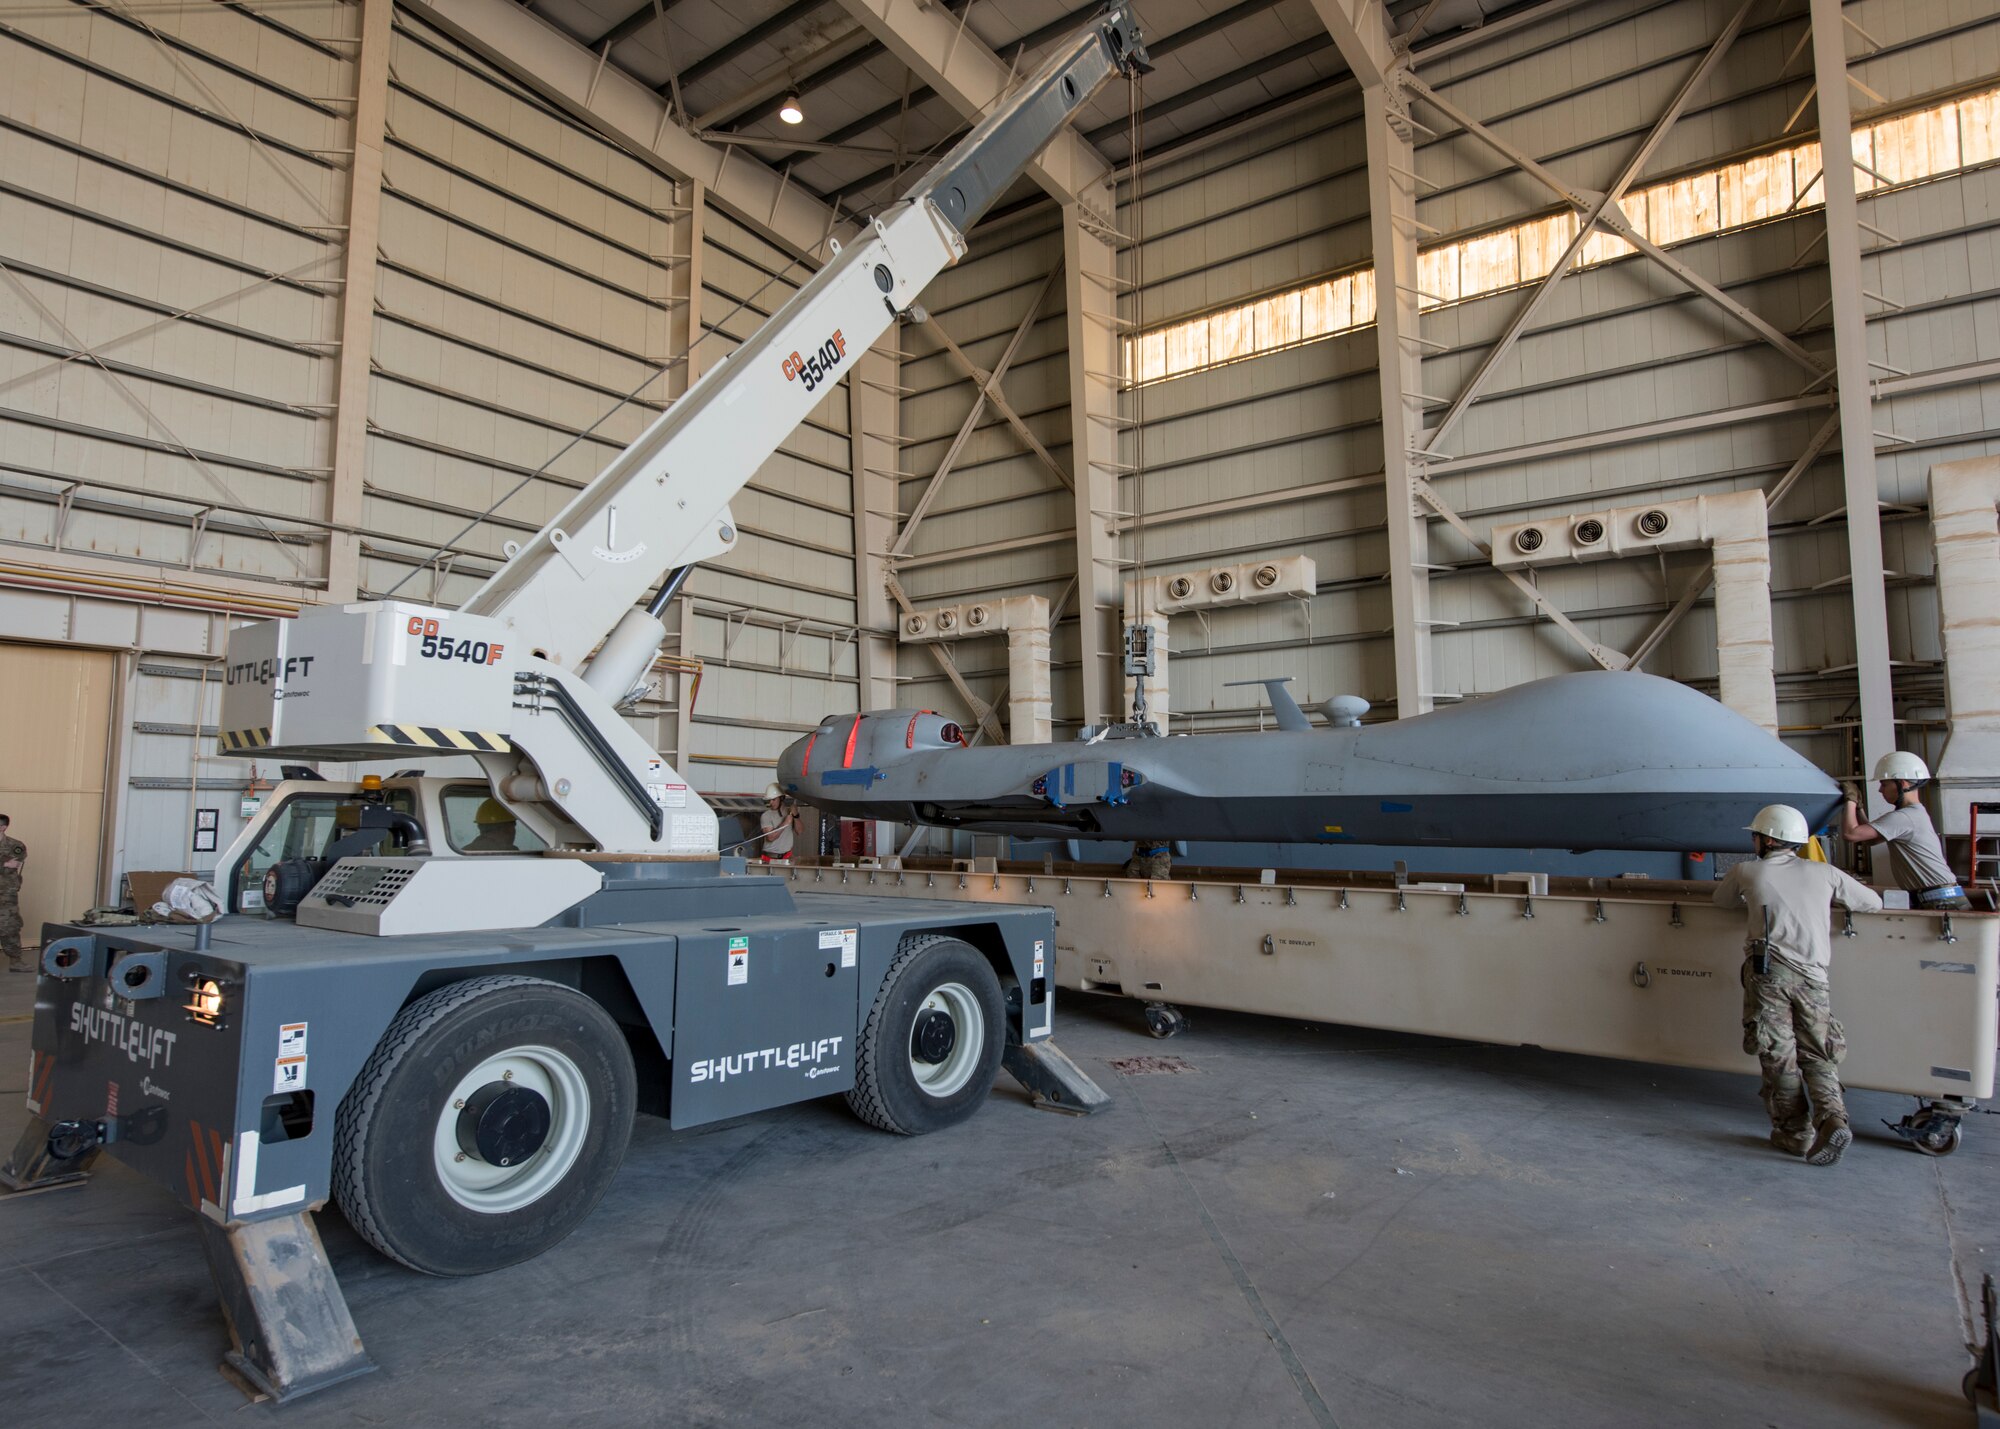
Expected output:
(452, 1039)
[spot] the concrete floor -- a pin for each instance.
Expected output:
(1307, 1225)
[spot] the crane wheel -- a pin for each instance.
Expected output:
(486, 1125)
(930, 1048)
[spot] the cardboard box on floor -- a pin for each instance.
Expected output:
(143, 890)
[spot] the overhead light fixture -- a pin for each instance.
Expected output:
(790, 112)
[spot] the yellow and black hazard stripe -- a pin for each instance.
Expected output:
(426, 736)
(245, 738)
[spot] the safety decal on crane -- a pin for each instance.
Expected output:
(245, 738)
(425, 736)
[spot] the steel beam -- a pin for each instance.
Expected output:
(988, 385)
(958, 555)
(1856, 404)
(1392, 218)
(1779, 490)
(634, 21)
(1089, 269)
(686, 230)
(1613, 217)
(934, 44)
(1361, 30)
(357, 304)
(626, 111)
(1598, 204)
(1603, 654)
(874, 426)
(762, 96)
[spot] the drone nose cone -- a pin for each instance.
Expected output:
(790, 773)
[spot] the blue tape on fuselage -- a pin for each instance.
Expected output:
(1389, 808)
(863, 777)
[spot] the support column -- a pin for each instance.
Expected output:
(1857, 425)
(1366, 39)
(357, 303)
(874, 421)
(684, 224)
(1392, 220)
(1089, 277)
(685, 227)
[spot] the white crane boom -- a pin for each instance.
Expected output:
(503, 677)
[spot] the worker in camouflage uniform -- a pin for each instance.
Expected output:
(1150, 860)
(1788, 1021)
(13, 860)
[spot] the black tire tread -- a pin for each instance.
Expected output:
(866, 1098)
(357, 1109)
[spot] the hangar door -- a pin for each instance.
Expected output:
(56, 716)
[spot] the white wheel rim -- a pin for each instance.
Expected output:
(956, 1001)
(495, 1190)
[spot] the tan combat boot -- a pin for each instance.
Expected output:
(1791, 1143)
(1832, 1139)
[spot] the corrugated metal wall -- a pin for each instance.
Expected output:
(1627, 344)
(1619, 345)
(173, 196)
(169, 188)
(774, 621)
(997, 490)
(173, 191)
(527, 291)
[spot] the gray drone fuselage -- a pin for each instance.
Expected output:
(1596, 760)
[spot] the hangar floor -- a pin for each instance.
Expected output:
(1300, 1225)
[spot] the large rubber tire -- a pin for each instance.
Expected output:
(941, 972)
(386, 1165)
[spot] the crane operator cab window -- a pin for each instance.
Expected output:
(302, 828)
(475, 822)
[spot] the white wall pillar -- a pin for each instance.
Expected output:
(357, 303)
(1965, 517)
(1089, 273)
(1857, 426)
(1743, 652)
(874, 417)
(1392, 220)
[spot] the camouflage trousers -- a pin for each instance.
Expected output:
(1789, 1027)
(1150, 865)
(10, 930)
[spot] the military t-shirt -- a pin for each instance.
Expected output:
(777, 827)
(1915, 856)
(1799, 895)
